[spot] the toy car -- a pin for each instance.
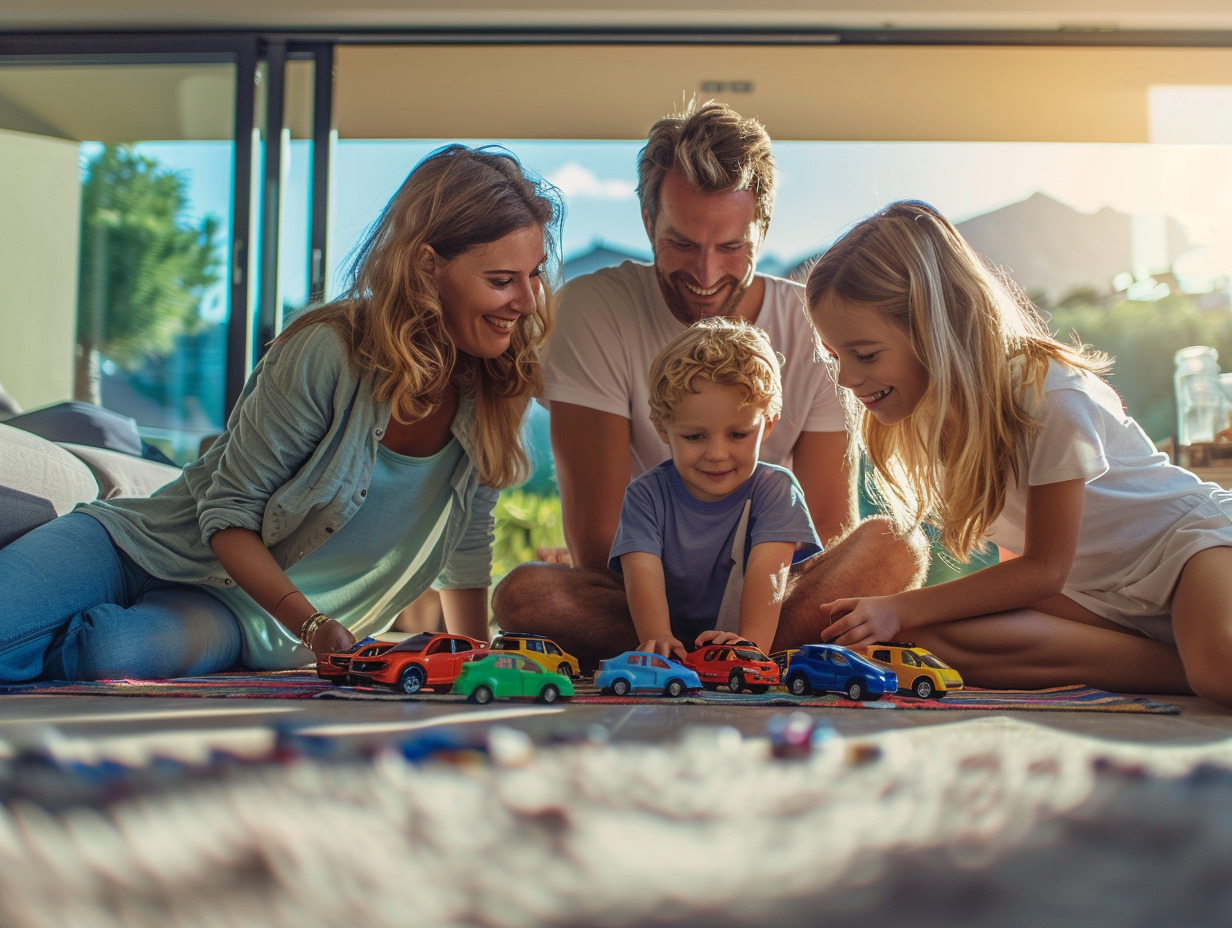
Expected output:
(423, 660)
(641, 671)
(510, 676)
(920, 672)
(829, 668)
(736, 666)
(782, 660)
(544, 651)
(335, 666)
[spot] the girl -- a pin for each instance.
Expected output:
(1117, 566)
(360, 464)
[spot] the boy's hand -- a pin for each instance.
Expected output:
(714, 636)
(854, 623)
(664, 646)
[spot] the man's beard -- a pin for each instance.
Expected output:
(679, 298)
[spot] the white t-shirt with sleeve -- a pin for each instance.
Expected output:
(1142, 517)
(612, 323)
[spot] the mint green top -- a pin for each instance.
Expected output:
(361, 574)
(296, 464)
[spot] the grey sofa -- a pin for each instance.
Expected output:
(41, 479)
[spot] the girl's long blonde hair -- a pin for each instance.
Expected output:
(983, 344)
(390, 318)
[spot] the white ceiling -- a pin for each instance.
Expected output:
(1048, 15)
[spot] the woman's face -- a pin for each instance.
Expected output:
(485, 291)
(873, 358)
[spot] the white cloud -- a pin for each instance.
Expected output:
(577, 180)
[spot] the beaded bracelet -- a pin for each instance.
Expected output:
(310, 626)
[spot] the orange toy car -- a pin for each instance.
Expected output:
(423, 660)
(737, 666)
(335, 666)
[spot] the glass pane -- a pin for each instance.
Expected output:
(115, 182)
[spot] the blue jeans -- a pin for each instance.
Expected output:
(73, 606)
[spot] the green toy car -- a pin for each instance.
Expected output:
(510, 676)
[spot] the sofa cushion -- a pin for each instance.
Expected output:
(39, 480)
(122, 474)
(83, 424)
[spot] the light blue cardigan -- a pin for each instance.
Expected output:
(294, 464)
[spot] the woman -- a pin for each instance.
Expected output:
(360, 464)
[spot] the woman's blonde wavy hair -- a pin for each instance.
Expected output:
(725, 351)
(983, 344)
(455, 199)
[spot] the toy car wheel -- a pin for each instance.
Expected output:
(923, 688)
(855, 690)
(412, 680)
(340, 681)
(482, 695)
(674, 688)
(735, 683)
(564, 669)
(620, 686)
(798, 685)
(549, 693)
(758, 688)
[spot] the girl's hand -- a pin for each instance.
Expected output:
(331, 636)
(858, 622)
(714, 636)
(664, 646)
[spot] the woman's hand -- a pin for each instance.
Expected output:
(664, 646)
(854, 623)
(331, 636)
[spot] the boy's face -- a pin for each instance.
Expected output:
(715, 439)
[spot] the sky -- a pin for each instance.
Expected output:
(823, 188)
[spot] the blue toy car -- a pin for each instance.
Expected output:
(828, 668)
(643, 672)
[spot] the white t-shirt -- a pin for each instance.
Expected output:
(1142, 517)
(611, 324)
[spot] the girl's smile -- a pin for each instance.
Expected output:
(873, 358)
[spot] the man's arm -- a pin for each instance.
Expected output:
(819, 461)
(593, 459)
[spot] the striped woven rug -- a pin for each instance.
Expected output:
(304, 684)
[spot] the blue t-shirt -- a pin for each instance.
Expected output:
(694, 537)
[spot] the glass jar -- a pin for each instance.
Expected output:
(1201, 406)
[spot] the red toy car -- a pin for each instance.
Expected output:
(423, 660)
(335, 666)
(736, 666)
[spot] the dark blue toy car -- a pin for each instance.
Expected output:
(828, 668)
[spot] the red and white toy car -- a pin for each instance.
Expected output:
(738, 666)
(423, 660)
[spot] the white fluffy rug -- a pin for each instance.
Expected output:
(983, 823)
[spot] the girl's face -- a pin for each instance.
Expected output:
(485, 291)
(873, 358)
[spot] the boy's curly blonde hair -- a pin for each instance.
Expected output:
(725, 351)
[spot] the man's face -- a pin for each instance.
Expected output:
(705, 249)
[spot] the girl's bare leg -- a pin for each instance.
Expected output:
(1202, 623)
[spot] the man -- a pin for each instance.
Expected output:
(706, 189)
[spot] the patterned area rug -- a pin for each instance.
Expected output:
(986, 822)
(300, 684)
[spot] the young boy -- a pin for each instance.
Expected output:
(706, 539)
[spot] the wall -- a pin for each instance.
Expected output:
(39, 220)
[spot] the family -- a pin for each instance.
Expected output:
(708, 424)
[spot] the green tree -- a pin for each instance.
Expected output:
(1142, 337)
(143, 269)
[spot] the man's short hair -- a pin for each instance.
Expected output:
(724, 350)
(715, 149)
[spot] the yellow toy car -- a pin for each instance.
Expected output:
(920, 672)
(543, 651)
